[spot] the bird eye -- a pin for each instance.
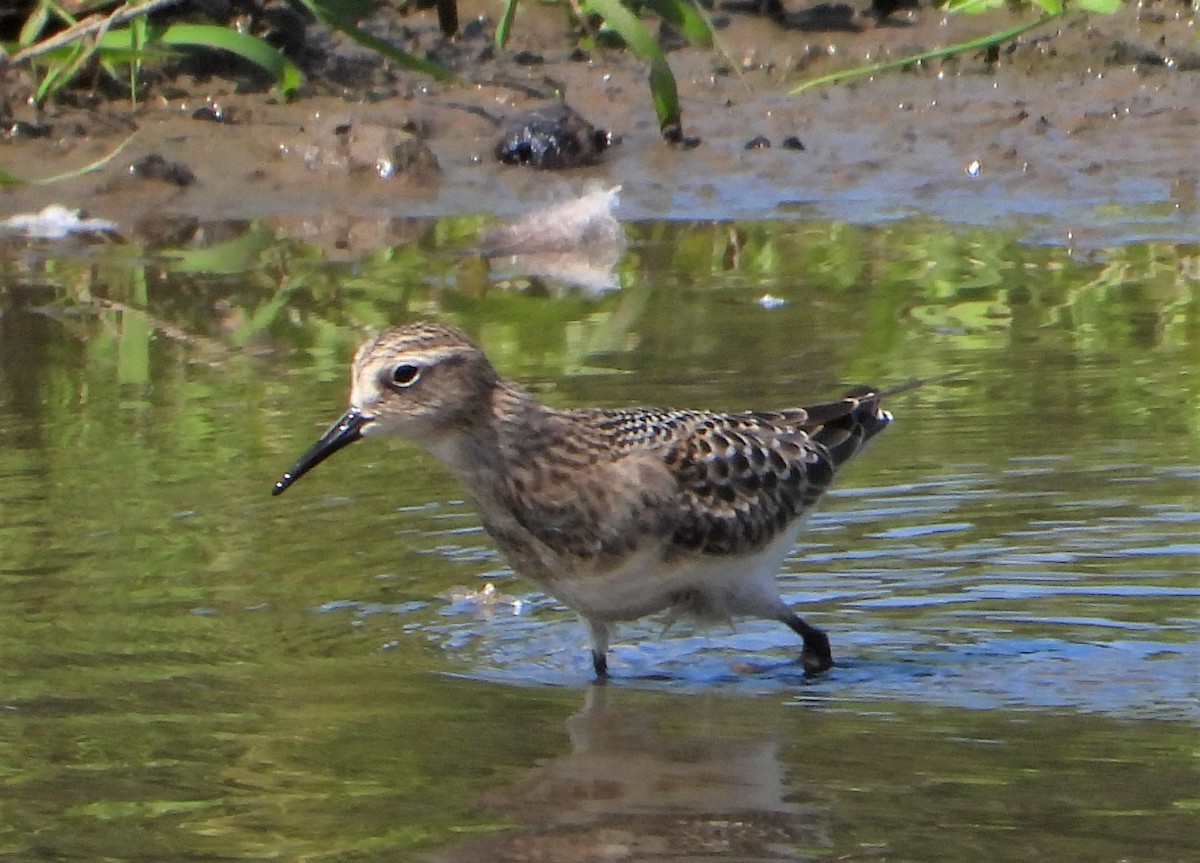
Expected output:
(405, 375)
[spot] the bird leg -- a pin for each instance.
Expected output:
(600, 636)
(816, 656)
(600, 664)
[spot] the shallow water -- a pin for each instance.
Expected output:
(191, 669)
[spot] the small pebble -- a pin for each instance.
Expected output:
(155, 167)
(213, 113)
(22, 129)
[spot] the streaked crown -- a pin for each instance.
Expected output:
(419, 379)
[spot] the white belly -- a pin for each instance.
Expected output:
(713, 587)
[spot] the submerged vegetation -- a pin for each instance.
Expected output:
(970, 287)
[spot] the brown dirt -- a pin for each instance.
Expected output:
(1088, 125)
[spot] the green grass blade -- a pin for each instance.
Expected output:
(140, 35)
(120, 51)
(61, 74)
(959, 48)
(972, 7)
(666, 99)
(662, 82)
(89, 167)
(33, 26)
(685, 15)
(505, 25)
(287, 75)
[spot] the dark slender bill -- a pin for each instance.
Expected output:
(342, 433)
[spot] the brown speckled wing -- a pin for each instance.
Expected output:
(714, 483)
(743, 478)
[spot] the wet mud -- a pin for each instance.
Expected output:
(1056, 131)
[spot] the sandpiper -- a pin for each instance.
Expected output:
(616, 513)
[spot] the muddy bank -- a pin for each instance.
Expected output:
(1087, 127)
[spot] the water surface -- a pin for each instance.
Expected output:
(191, 669)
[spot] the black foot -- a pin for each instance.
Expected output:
(600, 666)
(816, 657)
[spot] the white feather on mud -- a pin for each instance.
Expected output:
(55, 222)
(578, 242)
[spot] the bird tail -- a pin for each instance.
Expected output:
(843, 427)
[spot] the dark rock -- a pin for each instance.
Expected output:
(212, 113)
(1123, 53)
(551, 139)
(670, 37)
(528, 58)
(476, 28)
(882, 9)
(155, 167)
(282, 26)
(823, 18)
(23, 129)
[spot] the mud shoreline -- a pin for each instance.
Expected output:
(1084, 131)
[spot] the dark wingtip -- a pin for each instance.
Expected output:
(868, 413)
(284, 482)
